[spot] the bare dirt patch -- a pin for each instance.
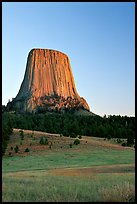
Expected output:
(87, 171)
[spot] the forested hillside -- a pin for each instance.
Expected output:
(70, 125)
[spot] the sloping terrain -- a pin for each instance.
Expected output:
(56, 142)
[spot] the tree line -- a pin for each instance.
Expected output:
(69, 124)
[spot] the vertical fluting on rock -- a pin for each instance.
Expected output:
(48, 73)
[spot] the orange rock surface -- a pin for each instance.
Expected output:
(48, 81)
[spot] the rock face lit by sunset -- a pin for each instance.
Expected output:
(48, 83)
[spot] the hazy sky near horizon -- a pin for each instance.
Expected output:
(98, 37)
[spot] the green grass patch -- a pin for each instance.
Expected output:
(68, 159)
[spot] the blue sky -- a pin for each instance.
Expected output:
(99, 39)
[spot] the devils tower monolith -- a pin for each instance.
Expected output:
(48, 84)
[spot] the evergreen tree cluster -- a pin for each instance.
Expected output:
(6, 131)
(68, 124)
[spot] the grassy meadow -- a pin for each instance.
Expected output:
(95, 170)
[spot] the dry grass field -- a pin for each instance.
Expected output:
(32, 138)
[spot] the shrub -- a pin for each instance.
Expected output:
(119, 140)
(41, 141)
(80, 137)
(76, 142)
(109, 137)
(11, 148)
(73, 135)
(124, 144)
(130, 141)
(22, 137)
(16, 149)
(21, 134)
(44, 141)
(70, 145)
(27, 149)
